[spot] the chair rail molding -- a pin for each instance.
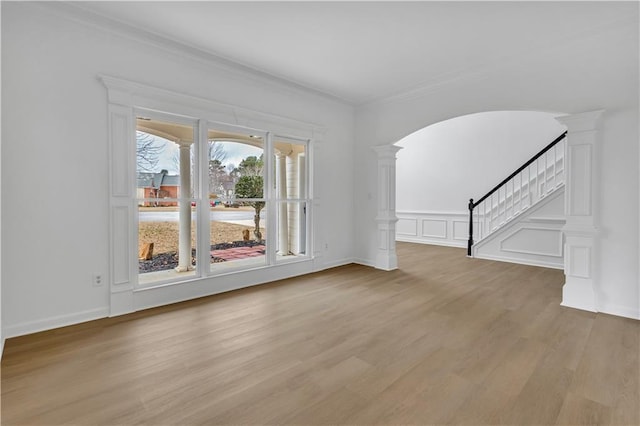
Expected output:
(386, 257)
(581, 206)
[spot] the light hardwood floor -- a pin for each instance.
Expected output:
(442, 340)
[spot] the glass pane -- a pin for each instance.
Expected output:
(165, 187)
(236, 166)
(236, 196)
(160, 255)
(292, 230)
(290, 169)
(236, 240)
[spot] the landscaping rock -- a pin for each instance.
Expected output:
(165, 261)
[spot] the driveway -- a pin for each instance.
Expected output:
(226, 216)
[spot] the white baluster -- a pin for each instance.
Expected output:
(513, 181)
(546, 186)
(555, 158)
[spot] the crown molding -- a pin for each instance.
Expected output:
(76, 12)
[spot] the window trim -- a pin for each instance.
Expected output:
(123, 98)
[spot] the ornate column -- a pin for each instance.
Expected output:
(386, 219)
(184, 244)
(581, 207)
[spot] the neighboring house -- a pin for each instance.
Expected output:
(159, 186)
(227, 187)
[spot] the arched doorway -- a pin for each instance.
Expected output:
(579, 231)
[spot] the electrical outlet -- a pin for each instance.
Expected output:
(326, 246)
(97, 280)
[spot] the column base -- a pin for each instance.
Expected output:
(386, 261)
(183, 268)
(578, 293)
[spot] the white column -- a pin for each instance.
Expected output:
(293, 189)
(386, 219)
(581, 207)
(283, 222)
(184, 245)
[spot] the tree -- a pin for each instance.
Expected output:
(217, 151)
(251, 166)
(252, 187)
(217, 173)
(147, 152)
(217, 154)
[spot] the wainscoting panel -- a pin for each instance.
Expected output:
(533, 238)
(438, 228)
(530, 240)
(407, 227)
(434, 228)
(461, 230)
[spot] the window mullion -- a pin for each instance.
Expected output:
(270, 195)
(203, 236)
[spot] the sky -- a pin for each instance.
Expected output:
(236, 152)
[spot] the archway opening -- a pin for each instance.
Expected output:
(440, 167)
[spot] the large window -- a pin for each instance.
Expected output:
(205, 193)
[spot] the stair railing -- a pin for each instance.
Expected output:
(539, 176)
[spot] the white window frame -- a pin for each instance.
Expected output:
(301, 199)
(125, 98)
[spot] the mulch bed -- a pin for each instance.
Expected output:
(164, 261)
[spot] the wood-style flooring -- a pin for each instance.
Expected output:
(443, 340)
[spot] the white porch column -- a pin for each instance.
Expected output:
(184, 245)
(386, 219)
(283, 222)
(580, 231)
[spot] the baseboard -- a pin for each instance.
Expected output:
(54, 322)
(540, 264)
(337, 263)
(90, 315)
(364, 262)
(461, 244)
(1, 347)
(619, 311)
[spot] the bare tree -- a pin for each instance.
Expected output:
(217, 173)
(217, 151)
(147, 152)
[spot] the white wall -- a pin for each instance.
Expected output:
(55, 209)
(598, 70)
(443, 165)
(1, 329)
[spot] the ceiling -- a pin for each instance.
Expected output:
(362, 51)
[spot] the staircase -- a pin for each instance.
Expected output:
(532, 197)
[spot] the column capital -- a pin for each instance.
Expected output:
(386, 151)
(184, 144)
(583, 122)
